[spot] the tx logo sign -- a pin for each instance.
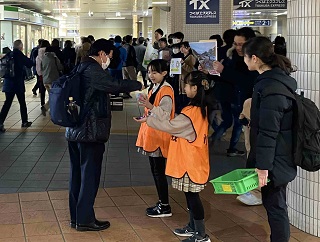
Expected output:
(245, 3)
(202, 2)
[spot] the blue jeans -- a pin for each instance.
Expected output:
(230, 114)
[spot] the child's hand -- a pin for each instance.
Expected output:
(140, 119)
(143, 101)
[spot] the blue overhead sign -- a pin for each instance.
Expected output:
(259, 4)
(202, 11)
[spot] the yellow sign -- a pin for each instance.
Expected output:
(226, 188)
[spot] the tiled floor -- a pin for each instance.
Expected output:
(34, 180)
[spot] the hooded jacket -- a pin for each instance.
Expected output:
(271, 128)
(95, 111)
(39, 60)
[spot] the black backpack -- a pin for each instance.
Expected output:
(116, 60)
(306, 127)
(7, 66)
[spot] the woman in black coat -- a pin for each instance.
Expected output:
(271, 132)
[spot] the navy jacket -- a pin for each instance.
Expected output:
(271, 128)
(236, 72)
(16, 84)
(97, 85)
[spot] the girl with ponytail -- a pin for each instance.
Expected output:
(188, 156)
(271, 135)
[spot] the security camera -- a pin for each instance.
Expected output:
(90, 14)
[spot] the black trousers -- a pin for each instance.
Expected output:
(195, 205)
(7, 104)
(42, 90)
(85, 171)
(158, 168)
(274, 201)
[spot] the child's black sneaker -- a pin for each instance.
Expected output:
(197, 238)
(160, 211)
(149, 210)
(186, 231)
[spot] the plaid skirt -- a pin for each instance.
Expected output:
(184, 184)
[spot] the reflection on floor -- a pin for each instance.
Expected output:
(34, 181)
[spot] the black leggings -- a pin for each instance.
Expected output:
(158, 168)
(195, 205)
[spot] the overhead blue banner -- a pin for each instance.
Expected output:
(259, 4)
(202, 11)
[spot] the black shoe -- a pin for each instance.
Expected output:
(26, 124)
(34, 92)
(94, 226)
(2, 129)
(43, 111)
(150, 209)
(73, 224)
(235, 152)
(160, 211)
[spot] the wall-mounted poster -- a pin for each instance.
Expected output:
(202, 11)
(206, 53)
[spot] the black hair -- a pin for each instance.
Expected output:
(117, 39)
(186, 45)
(178, 35)
(101, 45)
(141, 40)
(159, 66)
(163, 40)
(68, 44)
(127, 38)
(44, 43)
(280, 46)
(246, 32)
(55, 43)
(262, 47)
(176, 45)
(50, 49)
(218, 38)
(228, 36)
(39, 41)
(199, 79)
(91, 38)
(159, 31)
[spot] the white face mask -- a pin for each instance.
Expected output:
(175, 51)
(105, 65)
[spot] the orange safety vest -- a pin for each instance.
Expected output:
(190, 157)
(150, 139)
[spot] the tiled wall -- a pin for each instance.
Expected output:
(304, 51)
(195, 32)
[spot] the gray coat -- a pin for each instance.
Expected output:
(50, 67)
(140, 51)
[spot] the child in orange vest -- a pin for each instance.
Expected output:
(155, 143)
(188, 157)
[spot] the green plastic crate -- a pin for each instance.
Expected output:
(238, 181)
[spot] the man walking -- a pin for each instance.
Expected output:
(14, 85)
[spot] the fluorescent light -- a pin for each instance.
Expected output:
(46, 11)
(257, 13)
(140, 21)
(64, 14)
(284, 13)
(116, 18)
(159, 3)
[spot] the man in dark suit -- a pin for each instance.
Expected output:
(14, 85)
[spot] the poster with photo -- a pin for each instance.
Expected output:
(175, 66)
(206, 53)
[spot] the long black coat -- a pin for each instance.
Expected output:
(271, 128)
(95, 114)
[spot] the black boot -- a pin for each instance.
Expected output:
(200, 228)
